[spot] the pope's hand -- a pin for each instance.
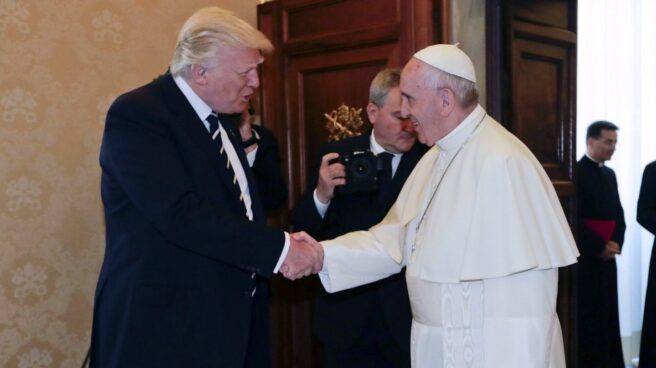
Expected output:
(305, 257)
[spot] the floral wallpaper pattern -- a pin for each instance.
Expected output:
(61, 64)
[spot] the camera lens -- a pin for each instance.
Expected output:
(361, 167)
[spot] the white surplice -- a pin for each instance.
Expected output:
(481, 257)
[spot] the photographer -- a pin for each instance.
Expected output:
(368, 326)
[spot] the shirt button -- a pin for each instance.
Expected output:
(253, 293)
(253, 275)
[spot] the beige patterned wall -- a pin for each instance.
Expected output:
(61, 64)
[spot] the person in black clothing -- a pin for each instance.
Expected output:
(647, 218)
(368, 326)
(261, 148)
(184, 281)
(601, 235)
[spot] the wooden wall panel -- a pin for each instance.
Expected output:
(327, 52)
(319, 84)
(543, 99)
(323, 18)
(531, 78)
(553, 13)
(541, 104)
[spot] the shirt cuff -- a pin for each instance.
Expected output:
(322, 208)
(283, 255)
(250, 156)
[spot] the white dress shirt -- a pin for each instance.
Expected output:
(203, 110)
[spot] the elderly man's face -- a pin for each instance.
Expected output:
(420, 104)
(231, 83)
(392, 130)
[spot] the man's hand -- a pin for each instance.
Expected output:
(330, 176)
(612, 249)
(305, 257)
(304, 237)
(246, 131)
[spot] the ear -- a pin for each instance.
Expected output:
(447, 100)
(198, 74)
(372, 112)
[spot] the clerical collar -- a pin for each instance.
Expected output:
(461, 133)
(376, 148)
(600, 164)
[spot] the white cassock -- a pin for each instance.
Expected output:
(482, 257)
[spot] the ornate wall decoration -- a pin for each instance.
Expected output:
(61, 65)
(344, 122)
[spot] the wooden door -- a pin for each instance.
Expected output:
(327, 53)
(531, 79)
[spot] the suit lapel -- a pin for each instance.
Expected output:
(407, 164)
(187, 118)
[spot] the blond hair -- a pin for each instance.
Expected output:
(206, 32)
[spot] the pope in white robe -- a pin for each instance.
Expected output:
(478, 226)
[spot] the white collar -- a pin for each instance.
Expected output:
(202, 109)
(601, 164)
(376, 148)
(458, 136)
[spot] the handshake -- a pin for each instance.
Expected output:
(305, 257)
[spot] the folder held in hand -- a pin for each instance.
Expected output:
(602, 228)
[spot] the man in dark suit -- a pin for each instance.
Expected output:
(601, 235)
(367, 326)
(647, 218)
(183, 282)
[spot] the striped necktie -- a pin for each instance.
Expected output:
(213, 120)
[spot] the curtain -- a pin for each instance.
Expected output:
(617, 82)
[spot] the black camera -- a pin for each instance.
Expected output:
(361, 172)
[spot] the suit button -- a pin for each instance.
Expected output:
(253, 275)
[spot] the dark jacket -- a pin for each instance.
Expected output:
(599, 328)
(271, 185)
(340, 317)
(647, 218)
(183, 282)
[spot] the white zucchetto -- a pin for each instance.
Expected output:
(450, 59)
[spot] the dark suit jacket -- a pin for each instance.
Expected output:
(647, 218)
(340, 317)
(599, 328)
(182, 260)
(271, 185)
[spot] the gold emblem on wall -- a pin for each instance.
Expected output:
(343, 123)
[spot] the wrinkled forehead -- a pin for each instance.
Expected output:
(412, 74)
(411, 69)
